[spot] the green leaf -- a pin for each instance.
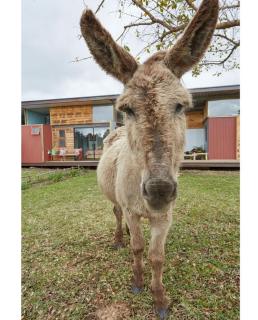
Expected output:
(126, 48)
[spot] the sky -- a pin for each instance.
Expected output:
(50, 44)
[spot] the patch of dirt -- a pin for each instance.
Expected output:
(115, 311)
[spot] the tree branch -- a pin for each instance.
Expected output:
(100, 5)
(147, 23)
(122, 34)
(223, 61)
(221, 25)
(191, 4)
(148, 46)
(165, 21)
(233, 6)
(228, 24)
(77, 59)
(156, 20)
(226, 38)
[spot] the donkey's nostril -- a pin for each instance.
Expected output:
(159, 190)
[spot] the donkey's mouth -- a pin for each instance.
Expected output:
(157, 205)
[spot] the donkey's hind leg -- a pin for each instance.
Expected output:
(119, 230)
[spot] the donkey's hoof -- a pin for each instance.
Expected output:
(136, 290)
(162, 313)
(118, 245)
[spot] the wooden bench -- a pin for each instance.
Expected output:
(62, 154)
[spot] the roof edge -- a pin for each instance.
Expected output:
(195, 91)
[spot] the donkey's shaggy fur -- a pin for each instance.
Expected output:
(140, 162)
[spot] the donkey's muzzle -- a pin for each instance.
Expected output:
(159, 192)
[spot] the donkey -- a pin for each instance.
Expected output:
(139, 166)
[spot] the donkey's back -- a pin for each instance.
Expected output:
(107, 168)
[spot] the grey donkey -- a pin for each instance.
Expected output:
(139, 167)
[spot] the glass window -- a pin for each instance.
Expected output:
(62, 138)
(90, 140)
(61, 133)
(102, 113)
(100, 134)
(230, 107)
(35, 117)
(61, 143)
(120, 117)
(195, 138)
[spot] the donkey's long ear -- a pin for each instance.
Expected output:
(108, 54)
(196, 38)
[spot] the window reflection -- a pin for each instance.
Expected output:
(91, 141)
(230, 107)
(195, 138)
(102, 113)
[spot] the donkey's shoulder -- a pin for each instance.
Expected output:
(114, 136)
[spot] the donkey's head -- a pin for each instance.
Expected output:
(154, 99)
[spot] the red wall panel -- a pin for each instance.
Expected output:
(47, 140)
(35, 147)
(222, 138)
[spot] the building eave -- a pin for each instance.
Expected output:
(35, 104)
(216, 92)
(197, 93)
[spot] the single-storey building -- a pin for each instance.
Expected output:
(74, 128)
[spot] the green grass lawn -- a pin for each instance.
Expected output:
(70, 271)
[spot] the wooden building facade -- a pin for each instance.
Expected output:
(79, 125)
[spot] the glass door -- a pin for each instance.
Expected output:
(83, 138)
(90, 140)
(100, 134)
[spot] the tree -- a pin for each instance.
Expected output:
(158, 23)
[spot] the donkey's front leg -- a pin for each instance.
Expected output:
(159, 230)
(137, 245)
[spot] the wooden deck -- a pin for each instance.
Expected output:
(186, 164)
(210, 164)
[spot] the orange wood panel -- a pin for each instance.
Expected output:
(71, 115)
(69, 138)
(194, 119)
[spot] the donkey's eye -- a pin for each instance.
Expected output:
(179, 108)
(129, 112)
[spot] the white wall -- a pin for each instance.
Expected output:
(194, 138)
